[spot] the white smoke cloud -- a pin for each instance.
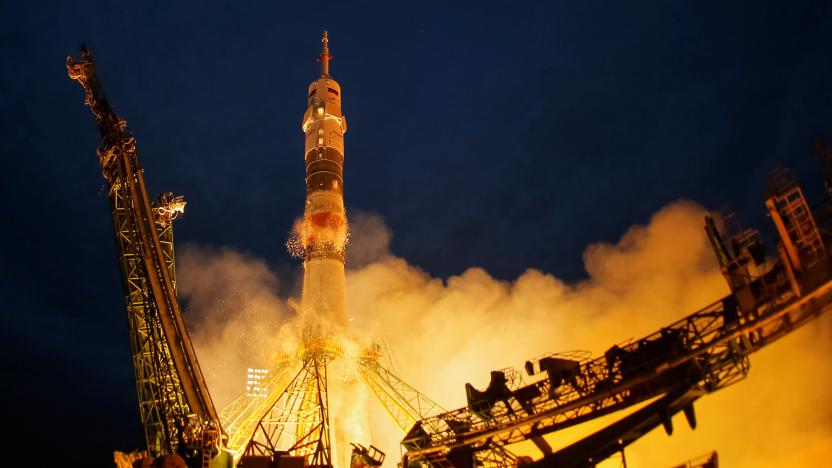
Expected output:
(444, 333)
(369, 239)
(238, 320)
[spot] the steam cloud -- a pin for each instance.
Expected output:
(236, 318)
(443, 333)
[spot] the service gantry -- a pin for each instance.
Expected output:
(699, 354)
(174, 403)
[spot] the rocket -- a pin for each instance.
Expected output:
(323, 230)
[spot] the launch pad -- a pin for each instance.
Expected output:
(290, 423)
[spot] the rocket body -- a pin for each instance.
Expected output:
(323, 231)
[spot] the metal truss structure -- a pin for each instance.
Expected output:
(699, 354)
(293, 422)
(169, 384)
(406, 405)
(241, 417)
(403, 403)
(297, 423)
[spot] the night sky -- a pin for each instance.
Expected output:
(506, 135)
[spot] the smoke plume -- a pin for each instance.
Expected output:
(236, 318)
(445, 332)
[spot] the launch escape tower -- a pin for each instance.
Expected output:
(288, 422)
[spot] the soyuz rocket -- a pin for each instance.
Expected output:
(323, 229)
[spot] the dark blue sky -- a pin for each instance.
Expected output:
(504, 135)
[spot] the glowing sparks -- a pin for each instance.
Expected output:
(168, 208)
(323, 228)
(332, 237)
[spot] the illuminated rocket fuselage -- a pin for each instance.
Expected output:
(323, 232)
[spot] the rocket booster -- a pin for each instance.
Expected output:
(323, 232)
(324, 125)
